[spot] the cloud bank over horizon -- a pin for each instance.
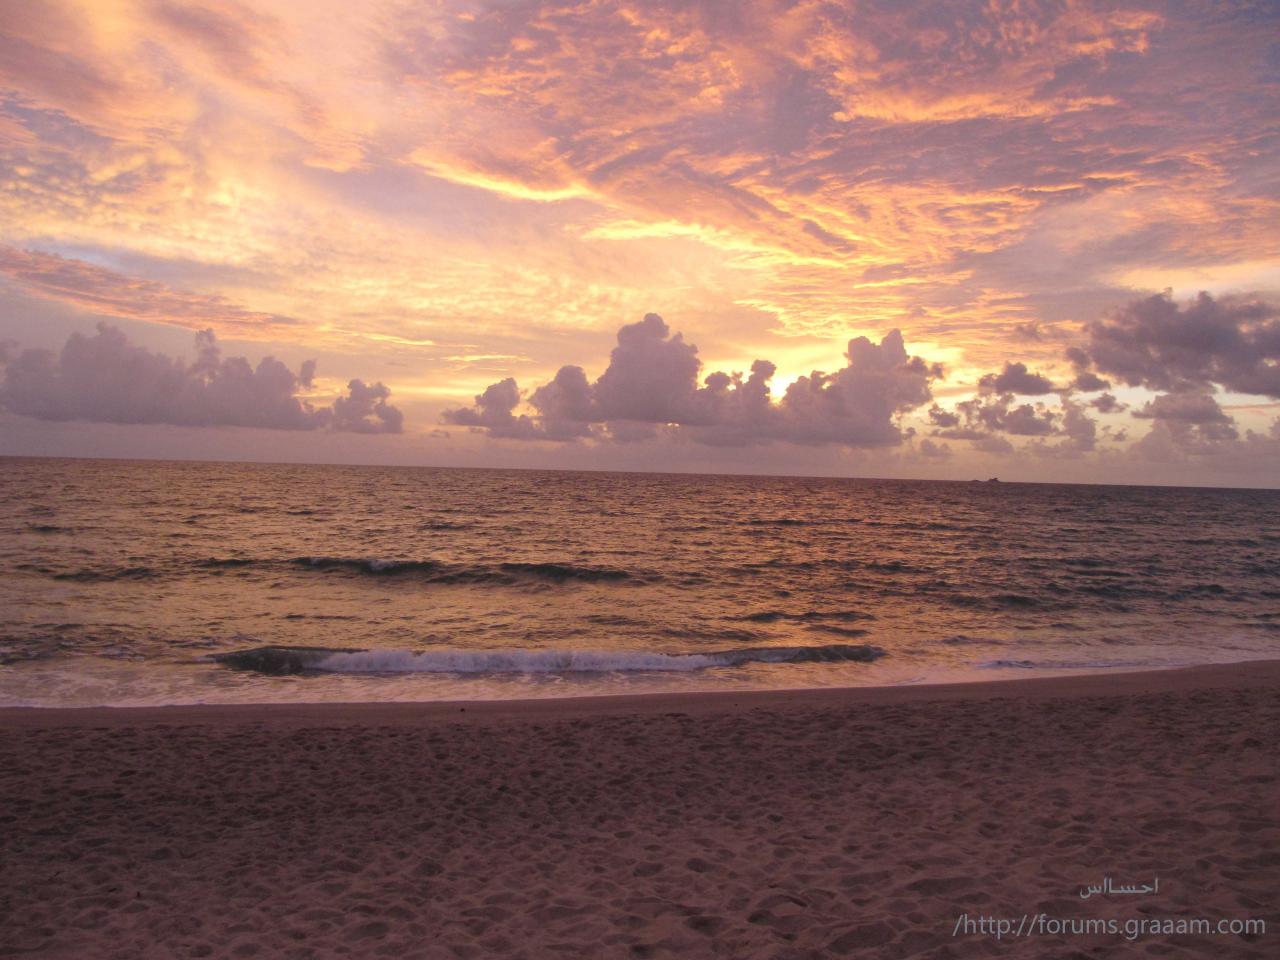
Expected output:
(652, 387)
(105, 378)
(652, 383)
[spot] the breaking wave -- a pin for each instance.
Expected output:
(294, 660)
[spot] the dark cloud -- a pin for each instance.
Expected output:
(651, 384)
(1190, 415)
(1089, 382)
(1192, 425)
(1189, 429)
(934, 451)
(651, 377)
(943, 418)
(107, 379)
(963, 433)
(1187, 407)
(992, 443)
(364, 409)
(1154, 342)
(1002, 414)
(566, 405)
(1026, 420)
(492, 412)
(1015, 378)
(857, 404)
(1182, 349)
(1080, 431)
(1107, 404)
(1030, 330)
(987, 421)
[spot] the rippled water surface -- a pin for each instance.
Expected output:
(132, 582)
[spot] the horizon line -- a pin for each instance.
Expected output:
(640, 472)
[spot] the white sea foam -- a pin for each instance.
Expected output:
(570, 661)
(285, 660)
(515, 661)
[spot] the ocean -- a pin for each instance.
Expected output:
(128, 583)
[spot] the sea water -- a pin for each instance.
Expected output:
(180, 582)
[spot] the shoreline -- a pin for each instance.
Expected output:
(1243, 673)
(787, 825)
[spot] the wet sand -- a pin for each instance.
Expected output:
(897, 822)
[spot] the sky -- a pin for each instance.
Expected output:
(1033, 240)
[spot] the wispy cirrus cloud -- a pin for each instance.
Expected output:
(832, 165)
(101, 291)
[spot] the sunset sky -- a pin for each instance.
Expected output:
(1039, 240)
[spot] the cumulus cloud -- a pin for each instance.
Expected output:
(651, 377)
(1078, 430)
(1191, 425)
(943, 418)
(107, 379)
(1106, 403)
(934, 451)
(1190, 415)
(651, 384)
(364, 409)
(995, 410)
(981, 415)
(1155, 342)
(987, 421)
(1089, 382)
(492, 412)
(1015, 378)
(567, 405)
(992, 443)
(1186, 351)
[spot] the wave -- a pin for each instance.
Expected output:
(837, 630)
(437, 572)
(105, 576)
(563, 571)
(999, 601)
(808, 616)
(511, 573)
(294, 660)
(371, 565)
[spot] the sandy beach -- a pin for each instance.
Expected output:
(891, 822)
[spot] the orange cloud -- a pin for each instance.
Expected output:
(106, 292)
(404, 177)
